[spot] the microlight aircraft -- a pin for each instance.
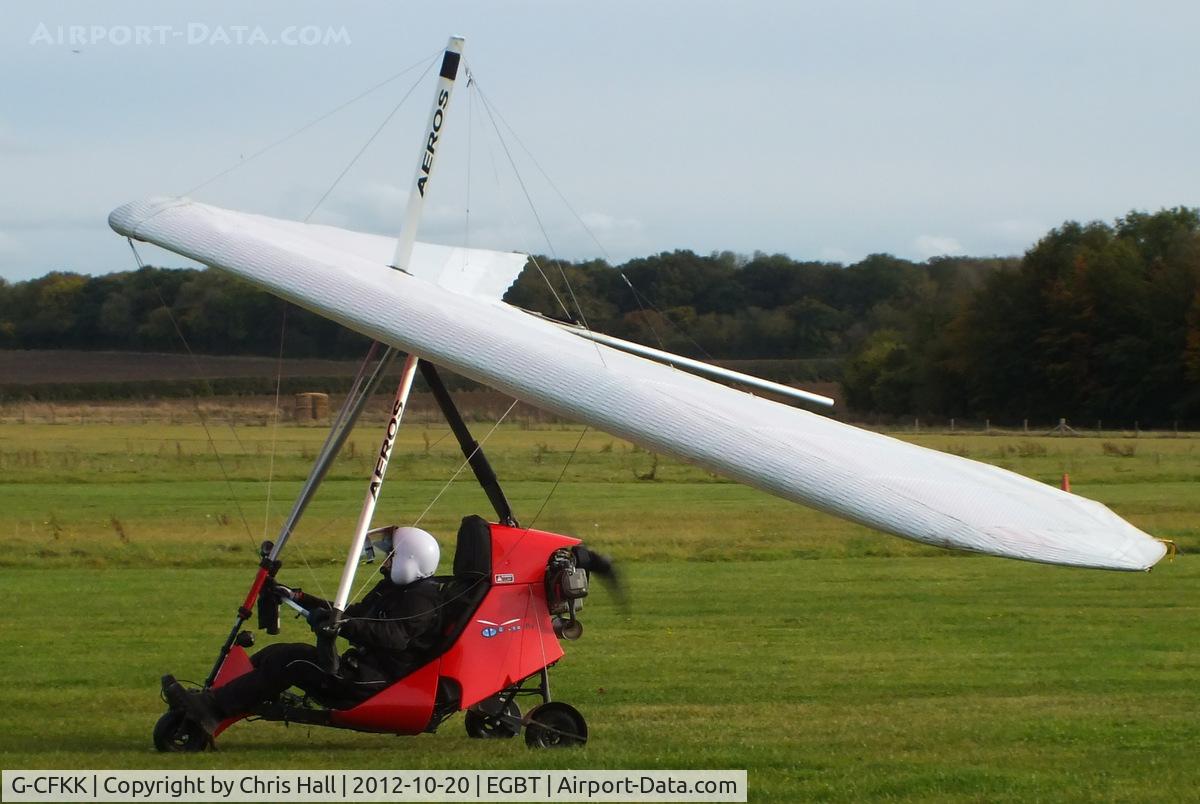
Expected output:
(441, 306)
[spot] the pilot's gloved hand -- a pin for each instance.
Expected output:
(319, 619)
(348, 628)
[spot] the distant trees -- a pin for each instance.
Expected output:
(764, 306)
(1097, 320)
(140, 311)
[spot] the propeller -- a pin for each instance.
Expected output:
(603, 567)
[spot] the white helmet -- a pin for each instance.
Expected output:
(415, 554)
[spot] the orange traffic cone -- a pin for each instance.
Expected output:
(1066, 484)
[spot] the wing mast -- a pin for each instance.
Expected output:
(429, 151)
(404, 247)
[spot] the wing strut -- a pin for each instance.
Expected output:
(430, 145)
(360, 392)
(470, 447)
(361, 389)
(376, 483)
(354, 403)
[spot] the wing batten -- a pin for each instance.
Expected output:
(869, 478)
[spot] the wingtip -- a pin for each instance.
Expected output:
(125, 219)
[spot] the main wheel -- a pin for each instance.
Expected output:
(175, 731)
(555, 725)
(483, 723)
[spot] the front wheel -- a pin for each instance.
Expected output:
(555, 725)
(176, 732)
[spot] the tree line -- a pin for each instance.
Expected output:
(1098, 320)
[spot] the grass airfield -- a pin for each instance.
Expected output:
(832, 662)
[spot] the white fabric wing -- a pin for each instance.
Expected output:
(900, 488)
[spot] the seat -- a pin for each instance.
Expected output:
(461, 593)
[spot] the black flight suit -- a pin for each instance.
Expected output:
(391, 630)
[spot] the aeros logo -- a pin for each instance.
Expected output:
(439, 114)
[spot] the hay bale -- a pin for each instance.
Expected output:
(311, 406)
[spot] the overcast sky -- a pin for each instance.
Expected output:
(825, 130)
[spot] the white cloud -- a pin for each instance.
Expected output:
(928, 246)
(603, 222)
(372, 207)
(835, 254)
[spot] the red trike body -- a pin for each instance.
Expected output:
(509, 637)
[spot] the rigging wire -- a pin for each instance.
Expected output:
(561, 475)
(195, 403)
(488, 108)
(638, 297)
(554, 186)
(446, 487)
(467, 193)
(429, 62)
(322, 528)
(525, 530)
(311, 572)
(505, 207)
(334, 184)
(553, 488)
(311, 123)
(512, 225)
(275, 420)
(466, 462)
(367, 144)
(537, 217)
(550, 285)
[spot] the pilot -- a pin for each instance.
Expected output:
(389, 630)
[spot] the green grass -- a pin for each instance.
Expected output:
(841, 679)
(831, 662)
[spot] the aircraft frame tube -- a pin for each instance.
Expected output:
(356, 400)
(376, 483)
(469, 446)
(430, 146)
(700, 367)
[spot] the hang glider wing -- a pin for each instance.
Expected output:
(896, 487)
(466, 271)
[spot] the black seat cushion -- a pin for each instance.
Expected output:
(462, 593)
(473, 556)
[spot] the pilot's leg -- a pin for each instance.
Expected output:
(276, 667)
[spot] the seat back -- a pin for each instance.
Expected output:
(473, 554)
(462, 592)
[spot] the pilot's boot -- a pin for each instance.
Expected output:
(200, 705)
